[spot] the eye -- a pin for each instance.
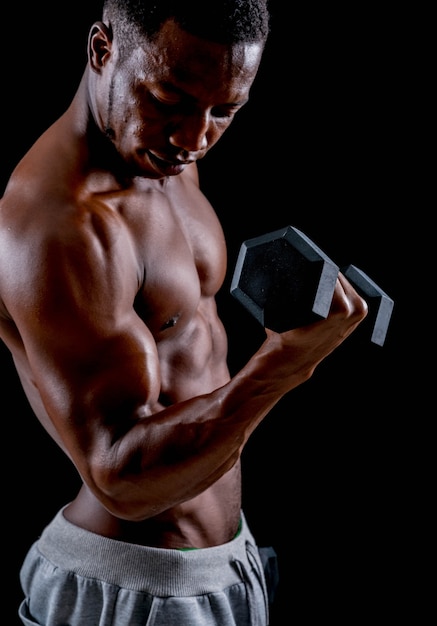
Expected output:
(225, 112)
(165, 100)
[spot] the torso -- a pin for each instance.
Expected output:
(180, 255)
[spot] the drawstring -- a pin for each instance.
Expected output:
(255, 605)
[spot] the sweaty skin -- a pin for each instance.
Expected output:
(110, 260)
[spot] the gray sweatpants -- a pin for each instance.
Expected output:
(75, 577)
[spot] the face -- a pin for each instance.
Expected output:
(168, 103)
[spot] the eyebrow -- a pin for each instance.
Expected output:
(170, 87)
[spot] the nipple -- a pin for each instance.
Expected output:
(171, 322)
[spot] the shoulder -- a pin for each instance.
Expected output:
(56, 238)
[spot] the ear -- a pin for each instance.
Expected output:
(99, 45)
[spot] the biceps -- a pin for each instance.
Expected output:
(97, 380)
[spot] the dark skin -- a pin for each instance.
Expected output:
(111, 259)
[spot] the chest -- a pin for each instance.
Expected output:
(181, 253)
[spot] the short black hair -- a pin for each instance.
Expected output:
(221, 21)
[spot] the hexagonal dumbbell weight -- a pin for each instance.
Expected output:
(285, 281)
(379, 303)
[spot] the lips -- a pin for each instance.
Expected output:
(166, 167)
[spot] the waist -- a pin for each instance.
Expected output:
(210, 519)
(159, 570)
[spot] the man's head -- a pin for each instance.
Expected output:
(168, 77)
(222, 21)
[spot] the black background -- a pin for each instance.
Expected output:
(323, 145)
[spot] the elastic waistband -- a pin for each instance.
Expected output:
(159, 571)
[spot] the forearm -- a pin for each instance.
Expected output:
(174, 455)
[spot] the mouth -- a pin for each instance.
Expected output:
(168, 167)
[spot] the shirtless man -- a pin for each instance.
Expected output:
(110, 261)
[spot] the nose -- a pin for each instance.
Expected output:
(190, 133)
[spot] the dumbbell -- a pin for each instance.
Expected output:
(285, 281)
